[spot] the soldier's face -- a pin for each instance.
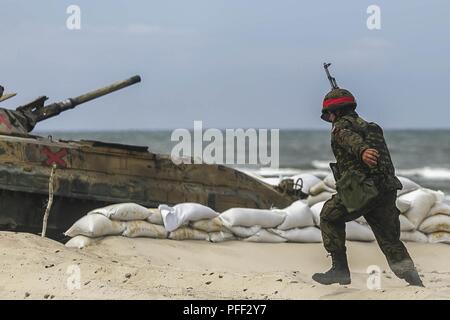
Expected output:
(332, 116)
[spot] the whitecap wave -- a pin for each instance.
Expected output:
(427, 173)
(281, 172)
(320, 164)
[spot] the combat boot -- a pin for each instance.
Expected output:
(413, 278)
(339, 272)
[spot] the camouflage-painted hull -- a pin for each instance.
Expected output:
(91, 174)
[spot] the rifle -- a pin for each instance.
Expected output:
(330, 78)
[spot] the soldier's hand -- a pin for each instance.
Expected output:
(370, 157)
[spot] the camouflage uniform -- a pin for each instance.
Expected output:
(351, 135)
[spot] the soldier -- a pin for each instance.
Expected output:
(360, 149)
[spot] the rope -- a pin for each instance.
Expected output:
(50, 201)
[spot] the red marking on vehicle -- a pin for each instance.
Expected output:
(55, 157)
(5, 121)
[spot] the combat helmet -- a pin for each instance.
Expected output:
(337, 98)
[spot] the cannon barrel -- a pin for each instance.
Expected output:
(56, 108)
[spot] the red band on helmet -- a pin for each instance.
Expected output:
(329, 102)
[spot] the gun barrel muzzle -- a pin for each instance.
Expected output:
(105, 90)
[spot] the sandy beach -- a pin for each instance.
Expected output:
(123, 268)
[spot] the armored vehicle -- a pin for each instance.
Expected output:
(92, 174)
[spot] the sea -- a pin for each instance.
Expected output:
(421, 155)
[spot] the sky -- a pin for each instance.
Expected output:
(229, 63)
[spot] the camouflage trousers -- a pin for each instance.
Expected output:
(383, 218)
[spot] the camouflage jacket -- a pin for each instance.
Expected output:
(350, 136)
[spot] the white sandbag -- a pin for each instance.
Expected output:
(421, 203)
(181, 214)
(221, 236)
(439, 208)
(319, 188)
(439, 196)
(123, 212)
(361, 220)
(413, 236)
(439, 237)
(408, 186)
(405, 224)
(402, 205)
(81, 242)
(186, 233)
(330, 181)
(316, 209)
(244, 232)
(436, 223)
(324, 196)
(308, 179)
(95, 225)
(358, 232)
(209, 225)
(303, 235)
(265, 236)
(134, 229)
(245, 217)
(298, 215)
(155, 216)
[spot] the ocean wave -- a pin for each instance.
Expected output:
(322, 168)
(427, 173)
(281, 172)
(320, 164)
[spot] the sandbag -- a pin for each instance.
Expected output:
(95, 225)
(319, 188)
(316, 209)
(81, 242)
(183, 213)
(298, 215)
(408, 186)
(439, 208)
(220, 236)
(303, 235)
(439, 196)
(308, 179)
(324, 196)
(155, 216)
(436, 223)
(123, 212)
(244, 232)
(265, 236)
(245, 217)
(134, 229)
(330, 181)
(209, 225)
(421, 203)
(405, 224)
(358, 232)
(402, 205)
(439, 237)
(186, 233)
(413, 236)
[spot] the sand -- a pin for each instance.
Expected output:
(121, 268)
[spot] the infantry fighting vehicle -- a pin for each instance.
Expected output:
(92, 174)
